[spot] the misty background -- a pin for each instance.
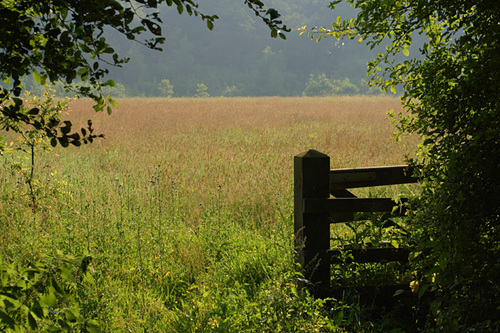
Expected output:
(239, 57)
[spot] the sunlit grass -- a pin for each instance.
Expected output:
(186, 205)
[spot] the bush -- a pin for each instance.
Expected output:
(117, 91)
(201, 91)
(166, 88)
(320, 86)
(345, 87)
(323, 86)
(232, 91)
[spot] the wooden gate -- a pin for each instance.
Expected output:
(321, 197)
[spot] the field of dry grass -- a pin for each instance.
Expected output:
(355, 130)
(244, 145)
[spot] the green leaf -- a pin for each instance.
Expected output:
(83, 73)
(64, 325)
(49, 299)
(89, 278)
(406, 52)
(40, 79)
(66, 274)
(210, 25)
(6, 319)
(180, 7)
(92, 327)
(70, 316)
(113, 102)
(109, 83)
(398, 292)
(32, 321)
(11, 303)
(153, 27)
(422, 290)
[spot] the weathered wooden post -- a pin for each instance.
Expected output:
(312, 230)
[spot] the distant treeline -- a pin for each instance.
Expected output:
(239, 58)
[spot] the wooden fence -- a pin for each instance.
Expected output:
(321, 197)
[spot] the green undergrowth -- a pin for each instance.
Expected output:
(153, 266)
(158, 266)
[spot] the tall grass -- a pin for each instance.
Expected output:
(186, 207)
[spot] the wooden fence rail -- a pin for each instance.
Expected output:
(321, 197)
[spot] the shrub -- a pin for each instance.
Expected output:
(320, 86)
(232, 91)
(166, 88)
(345, 87)
(118, 90)
(201, 91)
(323, 86)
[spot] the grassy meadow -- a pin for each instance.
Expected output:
(186, 208)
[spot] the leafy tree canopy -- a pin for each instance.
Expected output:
(63, 40)
(451, 92)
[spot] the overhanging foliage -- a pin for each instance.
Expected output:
(451, 94)
(64, 41)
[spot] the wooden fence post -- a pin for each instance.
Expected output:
(312, 230)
